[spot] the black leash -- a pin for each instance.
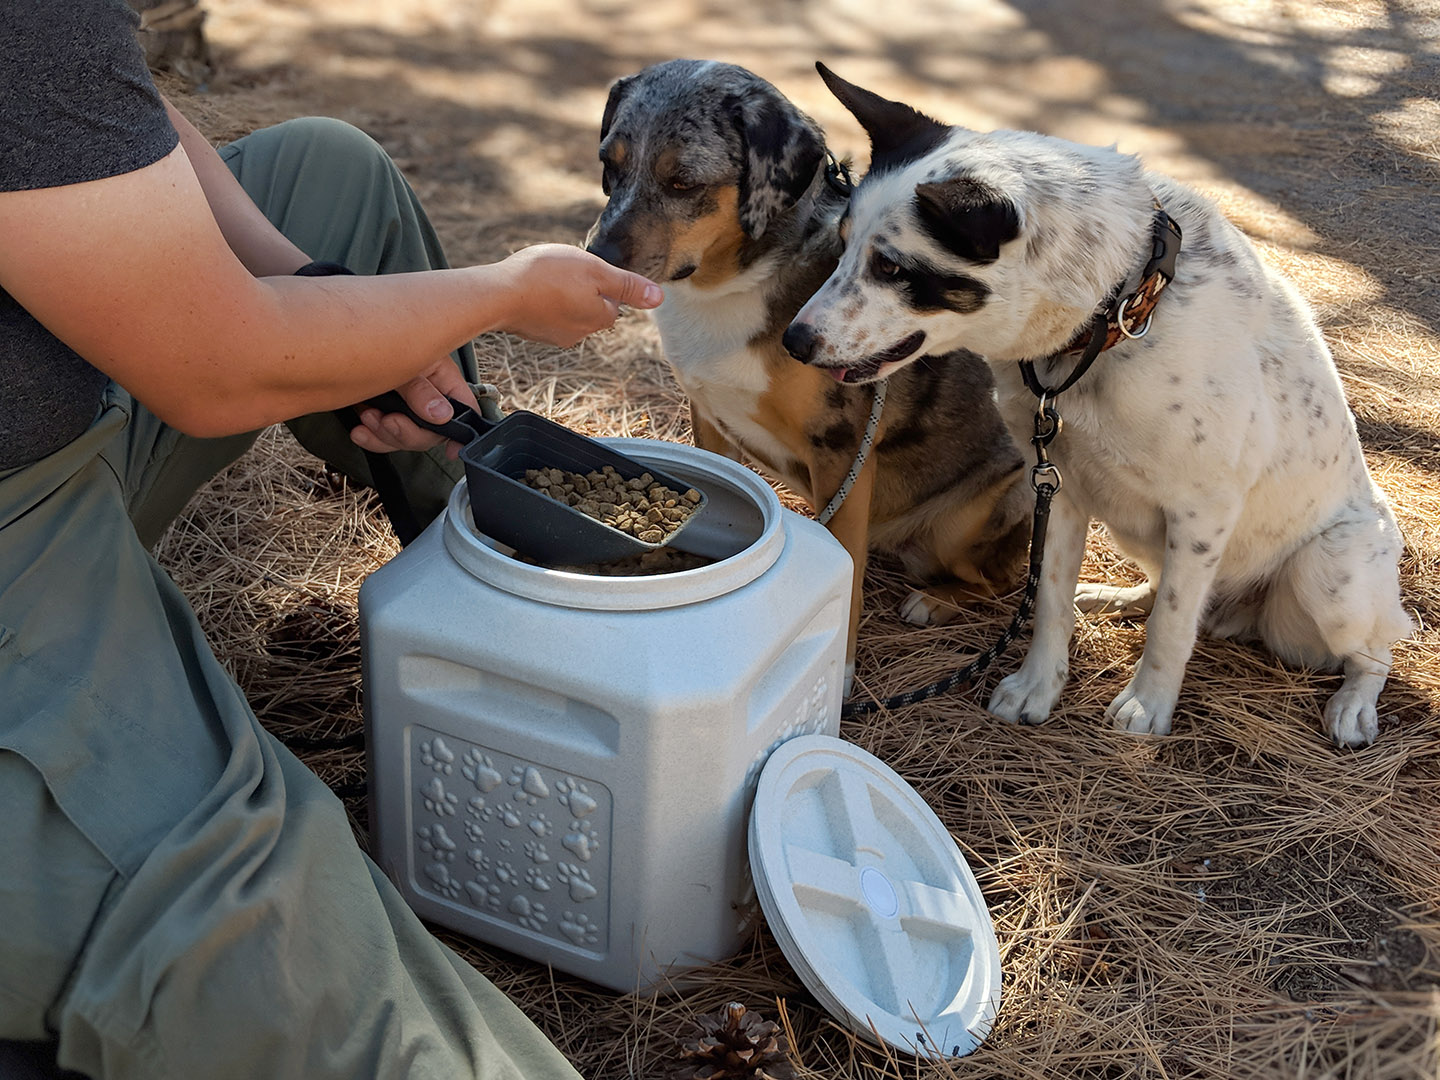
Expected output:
(1045, 479)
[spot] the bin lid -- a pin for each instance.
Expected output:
(871, 901)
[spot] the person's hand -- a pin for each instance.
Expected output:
(563, 294)
(381, 433)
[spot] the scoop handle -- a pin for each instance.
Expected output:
(464, 427)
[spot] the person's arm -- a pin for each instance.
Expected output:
(134, 273)
(263, 249)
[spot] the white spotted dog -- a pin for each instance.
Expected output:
(1217, 448)
(720, 189)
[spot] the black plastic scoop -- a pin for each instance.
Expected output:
(496, 454)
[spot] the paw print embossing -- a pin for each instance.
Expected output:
(480, 771)
(479, 809)
(577, 880)
(442, 881)
(530, 786)
(505, 845)
(434, 840)
(436, 755)
(537, 880)
(478, 859)
(580, 929)
(484, 895)
(540, 825)
(510, 818)
(529, 915)
(506, 874)
(582, 840)
(576, 798)
(536, 853)
(474, 832)
(437, 800)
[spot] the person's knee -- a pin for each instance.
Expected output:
(339, 144)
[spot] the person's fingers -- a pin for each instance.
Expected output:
(384, 432)
(427, 400)
(625, 287)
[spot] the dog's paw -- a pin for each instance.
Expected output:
(922, 609)
(1024, 698)
(1140, 713)
(1351, 719)
(1095, 599)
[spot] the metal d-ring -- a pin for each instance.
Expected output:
(1134, 335)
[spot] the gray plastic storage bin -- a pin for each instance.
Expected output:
(563, 764)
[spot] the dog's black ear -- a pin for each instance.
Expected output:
(782, 150)
(618, 90)
(898, 133)
(967, 217)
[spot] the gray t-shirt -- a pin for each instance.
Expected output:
(76, 104)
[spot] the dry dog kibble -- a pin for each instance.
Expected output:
(640, 506)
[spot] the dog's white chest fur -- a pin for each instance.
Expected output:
(707, 337)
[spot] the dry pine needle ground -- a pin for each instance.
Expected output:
(1237, 900)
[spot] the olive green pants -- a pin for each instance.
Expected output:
(179, 896)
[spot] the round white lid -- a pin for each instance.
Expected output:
(871, 901)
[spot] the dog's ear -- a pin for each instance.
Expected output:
(898, 133)
(782, 149)
(618, 90)
(967, 217)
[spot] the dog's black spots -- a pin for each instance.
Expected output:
(1175, 406)
(1200, 547)
(1171, 600)
(966, 217)
(1242, 287)
(1198, 438)
(1172, 544)
(836, 397)
(1191, 515)
(1343, 580)
(927, 288)
(1174, 380)
(1038, 241)
(1211, 561)
(837, 436)
(898, 133)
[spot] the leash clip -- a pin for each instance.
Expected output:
(837, 174)
(1044, 473)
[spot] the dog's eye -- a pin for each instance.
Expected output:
(684, 187)
(882, 267)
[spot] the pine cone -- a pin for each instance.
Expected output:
(734, 1045)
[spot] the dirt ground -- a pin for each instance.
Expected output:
(1238, 900)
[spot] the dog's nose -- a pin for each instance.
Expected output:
(609, 251)
(799, 341)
